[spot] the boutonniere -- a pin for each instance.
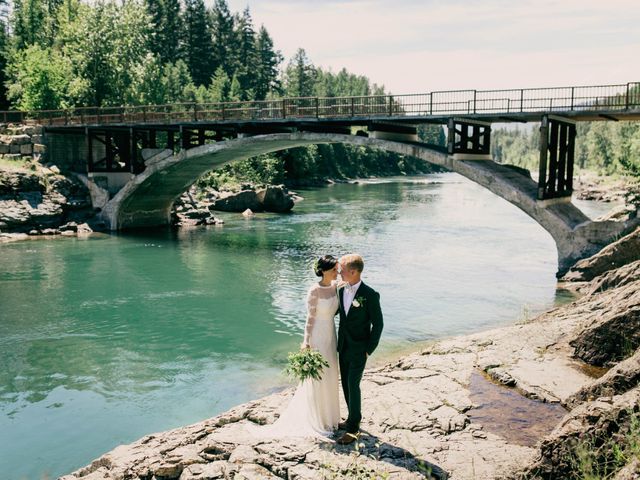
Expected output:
(358, 301)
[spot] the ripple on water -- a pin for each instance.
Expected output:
(505, 412)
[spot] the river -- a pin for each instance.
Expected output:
(109, 338)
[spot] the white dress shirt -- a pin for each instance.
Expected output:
(348, 294)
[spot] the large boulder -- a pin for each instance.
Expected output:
(238, 202)
(275, 199)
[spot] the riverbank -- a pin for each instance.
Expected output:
(474, 406)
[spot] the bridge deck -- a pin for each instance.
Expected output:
(578, 103)
(301, 122)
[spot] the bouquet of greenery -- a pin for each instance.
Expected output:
(306, 363)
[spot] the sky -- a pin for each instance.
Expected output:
(415, 46)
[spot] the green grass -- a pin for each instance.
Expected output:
(596, 458)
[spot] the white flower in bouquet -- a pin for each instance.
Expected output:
(306, 363)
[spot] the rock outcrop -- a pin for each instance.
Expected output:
(618, 380)
(613, 337)
(583, 445)
(36, 202)
(622, 252)
(598, 438)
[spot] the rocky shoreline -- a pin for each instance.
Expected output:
(424, 414)
(38, 200)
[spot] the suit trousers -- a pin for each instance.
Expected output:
(351, 370)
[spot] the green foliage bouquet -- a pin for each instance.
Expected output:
(307, 363)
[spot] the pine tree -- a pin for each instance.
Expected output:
(222, 22)
(266, 71)
(27, 22)
(167, 32)
(246, 56)
(220, 87)
(300, 75)
(172, 32)
(156, 13)
(235, 92)
(198, 46)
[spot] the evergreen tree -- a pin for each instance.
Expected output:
(27, 21)
(299, 76)
(235, 91)
(166, 37)
(222, 26)
(176, 81)
(172, 32)
(246, 55)
(220, 88)
(156, 15)
(198, 46)
(268, 61)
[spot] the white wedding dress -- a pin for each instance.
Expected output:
(314, 410)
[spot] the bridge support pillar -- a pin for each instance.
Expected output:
(557, 147)
(469, 139)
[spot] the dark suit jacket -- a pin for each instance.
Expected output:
(359, 332)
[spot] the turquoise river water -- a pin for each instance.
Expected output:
(106, 339)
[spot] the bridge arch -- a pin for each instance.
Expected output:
(147, 198)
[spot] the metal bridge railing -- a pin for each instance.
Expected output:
(440, 103)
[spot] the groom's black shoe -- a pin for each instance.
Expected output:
(348, 438)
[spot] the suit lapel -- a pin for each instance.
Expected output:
(340, 300)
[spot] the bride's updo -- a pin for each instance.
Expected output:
(323, 264)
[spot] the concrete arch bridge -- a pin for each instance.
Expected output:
(135, 181)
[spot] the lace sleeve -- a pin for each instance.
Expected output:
(312, 304)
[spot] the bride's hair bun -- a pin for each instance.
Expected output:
(323, 264)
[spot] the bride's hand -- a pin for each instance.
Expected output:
(304, 346)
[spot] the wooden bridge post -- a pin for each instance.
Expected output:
(89, 146)
(557, 148)
(471, 138)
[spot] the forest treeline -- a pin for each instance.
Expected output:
(69, 53)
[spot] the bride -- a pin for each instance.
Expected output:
(314, 409)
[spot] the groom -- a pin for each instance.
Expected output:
(358, 336)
